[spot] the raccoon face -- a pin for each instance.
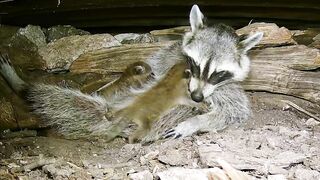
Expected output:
(215, 55)
(138, 71)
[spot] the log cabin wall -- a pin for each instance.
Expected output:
(141, 15)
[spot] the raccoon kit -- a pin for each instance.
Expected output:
(134, 76)
(148, 107)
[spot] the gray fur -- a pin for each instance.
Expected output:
(70, 111)
(212, 49)
(229, 105)
(162, 61)
(74, 114)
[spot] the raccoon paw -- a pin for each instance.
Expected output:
(186, 128)
(4, 59)
(171, 133)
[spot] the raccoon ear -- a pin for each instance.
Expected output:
(196, 18)
(250, 42)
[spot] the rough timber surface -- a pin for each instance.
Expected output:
(291, 70)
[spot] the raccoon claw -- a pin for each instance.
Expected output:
(171, 133)
(4, 58)
(178, 136)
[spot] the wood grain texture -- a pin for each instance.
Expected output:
(291, 70)
(116, 59)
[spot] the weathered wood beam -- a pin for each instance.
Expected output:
(291, 70)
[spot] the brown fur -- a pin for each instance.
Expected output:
(135, 75)
(149, 106)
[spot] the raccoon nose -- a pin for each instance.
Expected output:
(197, 96)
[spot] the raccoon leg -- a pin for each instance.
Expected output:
(111, 129)
(192, 125)
(212, 121)
(142, 131)
(228, 105)
(10, 75)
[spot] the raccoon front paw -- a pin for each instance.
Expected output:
(4, 59)
(182, 130)
(171, 133)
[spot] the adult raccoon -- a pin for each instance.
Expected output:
(218, 60)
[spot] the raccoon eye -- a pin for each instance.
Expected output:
(139, 70)
(221, 74)
(217, 77)
(187, 73)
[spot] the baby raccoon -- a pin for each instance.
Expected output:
(119, 92)
(134, 76)
(148, 107)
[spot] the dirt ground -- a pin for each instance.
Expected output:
(278, 141)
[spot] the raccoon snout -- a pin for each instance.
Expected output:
(197, 96)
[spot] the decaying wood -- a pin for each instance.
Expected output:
(306, 37)
(116, 59)
(274, 70)
(273, 35)
(290, 70)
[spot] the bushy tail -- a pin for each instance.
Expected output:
(72, 112)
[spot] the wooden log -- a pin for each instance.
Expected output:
(290, 70)
(273, 35)
(306, 37)
(115, 59)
